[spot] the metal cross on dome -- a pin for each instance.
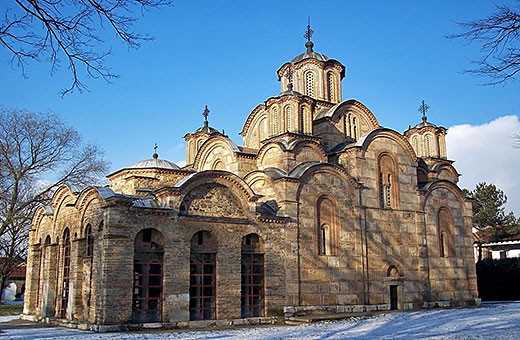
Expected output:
(206, 113)
(308, 34)
(423, 108)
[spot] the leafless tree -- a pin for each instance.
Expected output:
(57, 30)
(38, 153)
(499, 36)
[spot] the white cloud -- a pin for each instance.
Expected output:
(485, 153)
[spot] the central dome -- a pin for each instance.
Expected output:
(156, 163)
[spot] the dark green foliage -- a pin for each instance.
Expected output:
(499, 279)
(488, 206)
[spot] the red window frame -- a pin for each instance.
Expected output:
(203, 286)
(148, 286)
(252, 292)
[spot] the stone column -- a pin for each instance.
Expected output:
(32, 285)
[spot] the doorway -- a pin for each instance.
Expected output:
(393, 297)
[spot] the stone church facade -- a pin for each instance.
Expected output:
(321, 209)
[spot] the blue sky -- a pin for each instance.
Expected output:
(225, 55)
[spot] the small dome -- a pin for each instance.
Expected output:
(424, 124)
(311, 55)
(156, 163)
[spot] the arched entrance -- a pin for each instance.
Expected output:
(394, 281)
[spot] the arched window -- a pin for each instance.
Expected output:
(346, 125)
(309, 84)
(274, 121)
(252, 263)
(325, 226)
(445, 232)
(388, 182)
(428, 145)
(90, 241)
(148, 276)
(218, 165)
(330, 87)
(263, 134)
(288, 118)
(354, 128)
(301, 120)
(415, 145)
(203, 290)
(66, 273)
(306, 120)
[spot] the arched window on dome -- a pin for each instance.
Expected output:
(306, 120)
(428, 145)
(263, 133)
(274, 121)
(346, 125)
(355, 128)
(415, 145)
(289, 118)
(309, 84)
(330, 87)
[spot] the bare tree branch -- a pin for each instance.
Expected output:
(56, 30)
(499, 36)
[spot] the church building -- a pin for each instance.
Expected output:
(320, 210)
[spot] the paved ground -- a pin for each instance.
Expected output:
(491, 321)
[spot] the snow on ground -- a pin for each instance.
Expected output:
(492, 320)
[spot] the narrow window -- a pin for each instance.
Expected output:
(203, 277)
(66, 274)
(274, 121)
(288, 117)
(324, 240)
(330, 87)
(309, 84)
(326, 231)
(148, 276)
(252, 273)
(354, 128)
(301, 125)
(441, 244)
(345, 124)
(90, 241)
(388, 188)
(415, 145)
(428, 145)
(445, 232)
